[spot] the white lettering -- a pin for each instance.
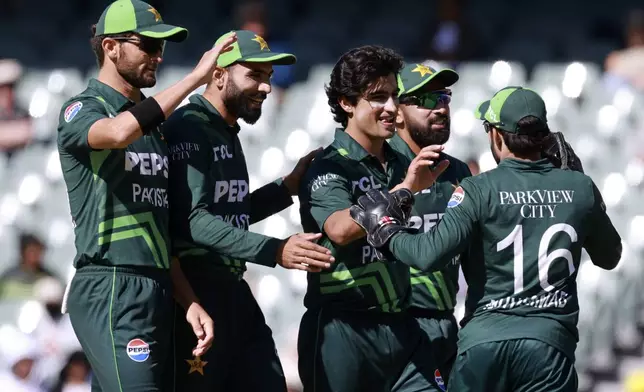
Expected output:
(236, 190)
(157, 197)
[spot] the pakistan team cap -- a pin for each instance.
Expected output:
(124, 16)
(251, 48)
(414, 76)
(510, 105)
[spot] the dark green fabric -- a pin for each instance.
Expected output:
(358, 279)
(212, 206)
(415, 76)
(521, 365)
(112, 306)
(243, 356)
(509, 106)
(118, 198)
(530, 212)
(353, 351)
(137, 16)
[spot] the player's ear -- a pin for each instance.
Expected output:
(111, 49)
(219, 77)
(400, 118)
(346, 105)
(497, 139)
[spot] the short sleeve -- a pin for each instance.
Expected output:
(329, 190)
(75, 120)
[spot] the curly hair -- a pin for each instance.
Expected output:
(354, 73)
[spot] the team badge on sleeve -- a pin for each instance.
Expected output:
(72, 110)
(457, 197)
(439, 380)
(138, 350)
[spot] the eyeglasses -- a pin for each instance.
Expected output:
(148, 45)
(487, 126)
(428, 100)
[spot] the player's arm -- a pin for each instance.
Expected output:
(145, 116)
(191, 192)
(603, 244)
(268, 200)
(451, 236)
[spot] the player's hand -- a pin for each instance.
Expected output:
(560, 153)
(292, 180)
(301, 252)
(206, 66)
(382, 214)
(419, 174)
(203, 327)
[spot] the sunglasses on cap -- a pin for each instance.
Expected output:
(146, 44)
(428, 100)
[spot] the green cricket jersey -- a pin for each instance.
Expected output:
(435, 290)
(212, 207)
(358, 279)
(531, 221)
(118, 198)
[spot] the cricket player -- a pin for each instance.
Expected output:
(424, 120)
(115, 166)
(531, 220)
(353, 336)
(212, 209)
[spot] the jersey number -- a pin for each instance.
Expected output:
(515, 238)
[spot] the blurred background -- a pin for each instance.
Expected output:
(585, 58)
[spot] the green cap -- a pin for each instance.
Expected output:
(251, 48)
(124, 16)
(414, 76)
(510, 105)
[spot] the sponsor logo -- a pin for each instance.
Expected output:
(72, 110)
(138, 350)
(439, 380)
(457, 198)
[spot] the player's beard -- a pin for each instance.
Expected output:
(238, 104)
(423, 135)
(132, 74)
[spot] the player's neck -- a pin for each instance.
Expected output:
(374, 146)
(116, 81)
(216, 101)
(524, 157)
(406, 137)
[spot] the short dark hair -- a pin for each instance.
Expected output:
(530, 138)
(27, 239)
(355, 71)
(97, 44)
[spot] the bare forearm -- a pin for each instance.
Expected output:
(341, 229)
(183, 292)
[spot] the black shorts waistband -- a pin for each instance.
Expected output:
(430, 313)
(158, 274)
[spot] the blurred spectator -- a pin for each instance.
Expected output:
(15, 123)
(627, 65)
(452, 39)
(18, 282)
(473, 164)
(75, 375)
(19, 353)
(251, 15)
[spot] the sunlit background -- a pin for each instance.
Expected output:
(585, 59)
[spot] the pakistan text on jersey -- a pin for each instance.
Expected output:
(555, 299)
(158, 197)
(538, 203)
(232, 191)
(241, 221)
(182, 150)
(148, 164)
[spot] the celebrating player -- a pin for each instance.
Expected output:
(353, 336)
(531, 220)
(212, 209)
(115, 166)
(424, 120)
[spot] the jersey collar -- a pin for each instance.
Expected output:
(115, 98)
(213, 113)
(519, 164)
(349, 148)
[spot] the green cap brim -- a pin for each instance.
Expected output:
(164, 31)
(446, 77)
(270, 57)
(481, 109)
